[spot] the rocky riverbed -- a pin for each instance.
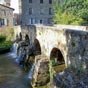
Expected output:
(71, 78)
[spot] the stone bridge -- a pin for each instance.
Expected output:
(61, 45)
(56, 41)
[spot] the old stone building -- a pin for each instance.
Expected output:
(37, 12)
(6, 17)
(5, 2)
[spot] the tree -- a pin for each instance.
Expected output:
(71, 12)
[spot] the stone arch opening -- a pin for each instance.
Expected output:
(57, 60)
(20, 36)
(27, 39)
(37, 47)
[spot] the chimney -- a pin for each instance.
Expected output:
(7, 2)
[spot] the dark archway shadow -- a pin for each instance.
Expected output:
(20, 36)
(37, 47)
(27, 39)
(57, 60)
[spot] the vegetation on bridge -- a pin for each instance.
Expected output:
(73, 12)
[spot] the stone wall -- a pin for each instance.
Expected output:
(77, 43)
(17, 31)
(72, 43)
(40, 11)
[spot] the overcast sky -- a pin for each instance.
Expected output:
(14, 4)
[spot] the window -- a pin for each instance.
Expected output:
(40, 21)
(50, 11)
(41, 1)
(4, 22)
(31, 21)
(50, 1)
(30, 1)
(30, 11)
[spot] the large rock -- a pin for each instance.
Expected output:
(41, 72)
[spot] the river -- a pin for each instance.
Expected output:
(11, 74)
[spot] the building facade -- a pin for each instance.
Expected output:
(6, 17)
(37, 12)
(17, 15)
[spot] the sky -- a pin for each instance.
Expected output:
(1, 1)
(14, 4)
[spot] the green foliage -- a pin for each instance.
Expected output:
(54, 62)
(80, 70)
(73, 12)
(2, 38)
(6, 44)
(39, 33)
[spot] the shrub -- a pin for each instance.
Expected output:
(73, 12)
(6, 44)
(2, 38)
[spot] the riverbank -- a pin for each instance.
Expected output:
(4, 50)
(4, 44)
(5, 47)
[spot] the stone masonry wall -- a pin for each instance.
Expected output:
(39, 12)
(77, 43)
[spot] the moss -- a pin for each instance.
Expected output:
(59, 68)
(39, 33)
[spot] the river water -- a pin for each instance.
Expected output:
(11, 74)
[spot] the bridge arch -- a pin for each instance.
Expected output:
(27, 39)
(57, 59)
(37, 47)
(20, 36)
